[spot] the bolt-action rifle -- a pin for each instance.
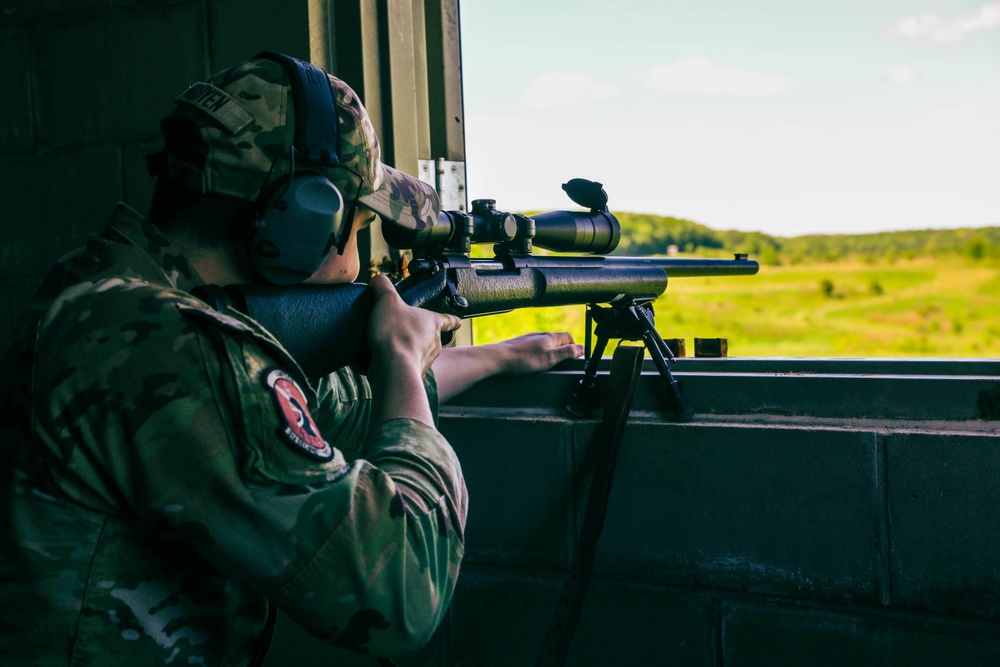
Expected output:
(324, 327)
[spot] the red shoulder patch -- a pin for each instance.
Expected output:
(300, 428)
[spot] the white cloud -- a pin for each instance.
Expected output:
(902, 75)
(561, 90)
(697, 76)
(935, 29)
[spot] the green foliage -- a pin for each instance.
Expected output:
(942, 307)
(647, 234)
(977, 247)
(644, 234)
(932, 292)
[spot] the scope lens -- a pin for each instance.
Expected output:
(596, 233)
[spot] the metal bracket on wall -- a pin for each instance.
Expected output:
(448, 178)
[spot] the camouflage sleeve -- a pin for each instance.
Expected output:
(202, 431)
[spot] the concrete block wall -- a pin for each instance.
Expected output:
(85, 84)
(744, 537)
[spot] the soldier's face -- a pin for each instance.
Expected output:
(340, 268)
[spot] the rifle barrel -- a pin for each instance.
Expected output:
(674, 267)
(692, 267)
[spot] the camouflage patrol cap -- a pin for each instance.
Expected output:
(245, 117)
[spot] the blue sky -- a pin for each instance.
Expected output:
(788, 117)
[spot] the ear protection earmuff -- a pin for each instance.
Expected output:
(301, 218)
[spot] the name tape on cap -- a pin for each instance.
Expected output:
(218, 104)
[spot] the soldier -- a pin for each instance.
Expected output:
(169, 475)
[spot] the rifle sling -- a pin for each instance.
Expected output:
(626, 367)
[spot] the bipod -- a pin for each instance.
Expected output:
(629, 320)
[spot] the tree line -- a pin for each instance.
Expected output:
(647, 234)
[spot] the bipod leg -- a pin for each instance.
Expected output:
(587, 393)
(663, 358)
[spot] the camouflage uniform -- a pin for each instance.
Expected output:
(163, 482)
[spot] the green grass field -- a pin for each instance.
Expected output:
(946, 307)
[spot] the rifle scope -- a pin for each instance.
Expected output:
(594, 232)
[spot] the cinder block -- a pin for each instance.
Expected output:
(944, 497)
(499, 619)
(242, 28)
(792, 511)
(502, 620)
(114, 77)
(772, 636)
(56, 202)
(624, 624)
(861, 390)
(13, 298)
(517, 473)
(15, 112)
(18, 13)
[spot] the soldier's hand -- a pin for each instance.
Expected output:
(402, 334)
(536, 352)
